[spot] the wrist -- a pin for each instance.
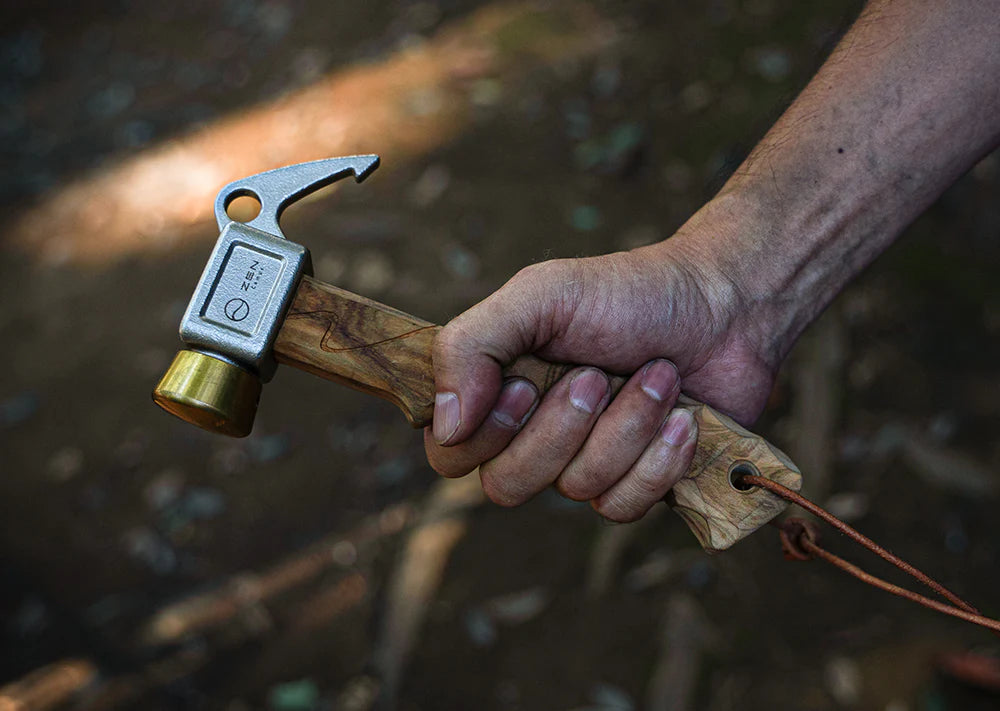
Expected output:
(761, 265)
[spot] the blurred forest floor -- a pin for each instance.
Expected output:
(319, 564)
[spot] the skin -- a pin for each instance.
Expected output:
(907, 102)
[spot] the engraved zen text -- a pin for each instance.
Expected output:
(252, 277)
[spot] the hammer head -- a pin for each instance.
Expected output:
(241, 300)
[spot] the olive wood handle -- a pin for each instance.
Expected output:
(366, 345)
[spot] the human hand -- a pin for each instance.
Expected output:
(664, 314)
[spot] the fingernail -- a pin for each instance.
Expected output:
(515, 402)
(659, 379)
(587, 390)
(677, 428)
(447, 416)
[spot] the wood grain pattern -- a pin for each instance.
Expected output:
(372, 347)
(716, 511)
(361, 343)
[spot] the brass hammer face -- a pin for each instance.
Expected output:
(241, 299)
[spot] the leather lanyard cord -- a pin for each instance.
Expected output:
(800, 541)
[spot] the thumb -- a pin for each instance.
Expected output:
(470, 352)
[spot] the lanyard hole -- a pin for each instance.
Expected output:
(736, 473)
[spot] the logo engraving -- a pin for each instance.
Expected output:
(236, 309)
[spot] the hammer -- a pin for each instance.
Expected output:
(257, 305)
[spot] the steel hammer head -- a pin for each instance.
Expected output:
(242, 297)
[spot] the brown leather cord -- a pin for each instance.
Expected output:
(800, 541)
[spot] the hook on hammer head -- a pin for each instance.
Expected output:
(236, 312)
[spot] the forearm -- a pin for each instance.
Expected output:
(908, 101)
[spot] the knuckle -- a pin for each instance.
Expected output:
(614, 509)
(648, 481)
(638, 424)
(449, 462)
(533, 272)
(579, 484)
(498, 488)
(572, 489)
(447, 343)
(447, 467)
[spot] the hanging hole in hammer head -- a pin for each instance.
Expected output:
(739, 470)
(243, 206)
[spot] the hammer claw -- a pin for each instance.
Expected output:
(279, 188)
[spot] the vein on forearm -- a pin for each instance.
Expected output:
(908, 101)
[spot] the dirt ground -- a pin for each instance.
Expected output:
(319, 564)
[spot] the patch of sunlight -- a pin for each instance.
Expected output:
(401, 107)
